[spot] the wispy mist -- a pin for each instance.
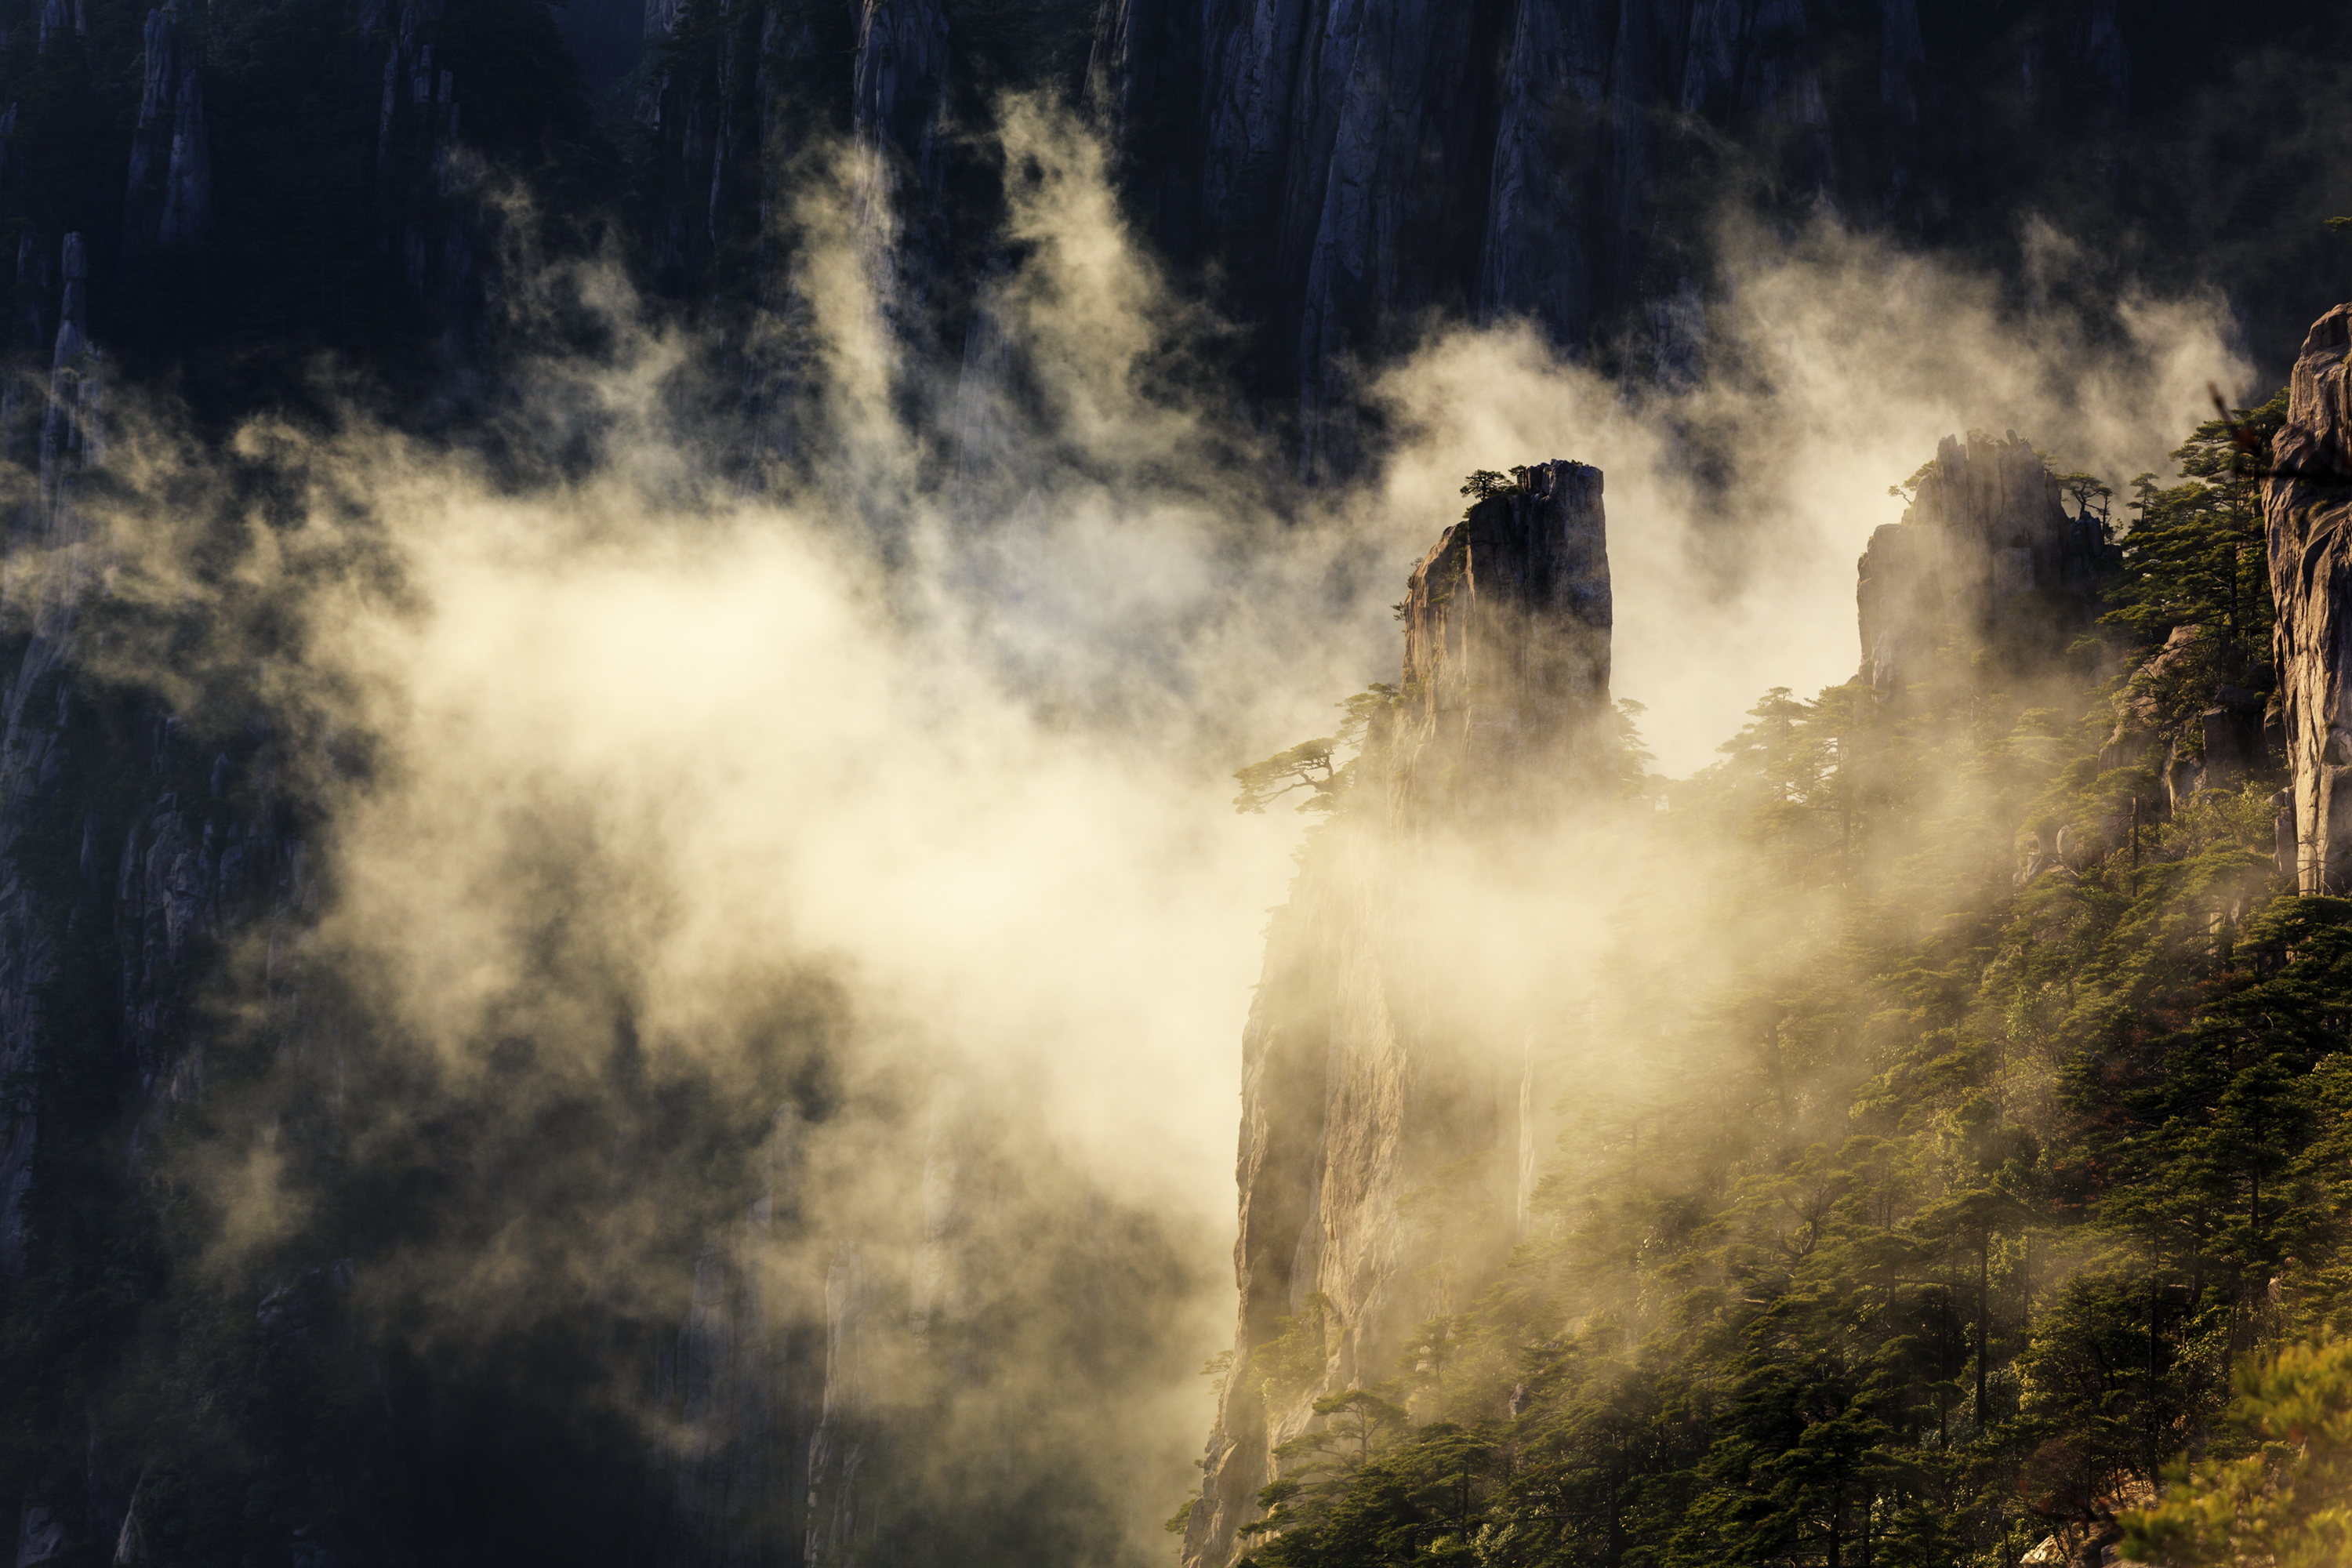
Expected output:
(889, 807)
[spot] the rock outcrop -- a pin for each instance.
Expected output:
(1367, 1075)
(2307, 503)
(1986, 554)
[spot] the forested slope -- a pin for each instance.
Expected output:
(1963, 1097)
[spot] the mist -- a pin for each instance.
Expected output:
(888, 808)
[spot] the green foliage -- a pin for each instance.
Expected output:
(1293, 1358)
(2092, 494)
(2198, 554)
(1309, 765)
(2279, 1489)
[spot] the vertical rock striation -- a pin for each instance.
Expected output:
(430, 210)
(1506, 680)
(1351, 170)
(1368, 1073)
(2307, 504)
(128, 856)
(42, 593)
(171, 184)
(898, 106)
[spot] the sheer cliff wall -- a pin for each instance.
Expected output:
(2307, 503)
(1338, 178)
(1377, 1078)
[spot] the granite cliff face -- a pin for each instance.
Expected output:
(2307, 502)
(1534, 158)
(171, 195)
(1339, 180)
(1367, 1074)
(129, 858)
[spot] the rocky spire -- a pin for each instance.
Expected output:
(1366, 1074)
(1506, 680)
(1985, 553)
(2307, 502)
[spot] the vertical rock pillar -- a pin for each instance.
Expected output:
(1506, 683)
(1372, 1070)
(2307, 504)
(1985, 555)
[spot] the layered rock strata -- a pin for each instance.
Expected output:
(1370, 1073)
(2307, 505)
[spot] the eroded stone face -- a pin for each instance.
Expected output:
(2306, 505)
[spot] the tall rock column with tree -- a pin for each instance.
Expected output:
(1378, 1087)
(2307, 502)
(1986, 554)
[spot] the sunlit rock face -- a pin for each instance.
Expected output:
(1374, 1076)
(1986, 553)
(1507, 651)
(2307, 502)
